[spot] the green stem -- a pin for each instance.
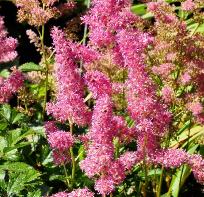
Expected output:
(72, 157)
(187, 146)
(160, 183)
(66, 175)
(194, 30)
(145, 167)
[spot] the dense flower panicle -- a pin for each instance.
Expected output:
(163, 70)
(104, 185)
(101, 27)
(7, 44)
(86, 54)
(197, 164)
(123, 132)
(98, 160)
(60, 157)
(116, 172)
(38, 13)
(11, 85)
(69, 102)
(185, 78)
(98, 83)
(170, 158)
(102, 127)
(167, 94)
(196, 108)
(75, 193)
(188, 5)
(32, 12)
(162, 11)
(81, 193)
(50, 127)
(142, 101)
(60, 194)
(60, 140)
(129, 159)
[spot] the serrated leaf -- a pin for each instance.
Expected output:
(30, 66)
(35, 194)
(6, 112)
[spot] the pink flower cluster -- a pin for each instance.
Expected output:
(10, 86)
(75, 193)
(113, 34)
(7, 44)
(60, 142)
(69, 99)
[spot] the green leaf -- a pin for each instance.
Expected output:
(139, 9)
(34, 194)
(6, 112)
(4, 73)
(180, 177)
(30, 66)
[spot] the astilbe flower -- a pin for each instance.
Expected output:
(75, 193)
(98, 83)
(11, 85)
(39, 12)
(69, 102)
(175, 45)
(197, 164)
(100, 153)
(106, 17)
(81, 193)
(60, 194)
(7, 44)
(188, 5)
(60, 142)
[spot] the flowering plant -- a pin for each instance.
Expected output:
(122, 109)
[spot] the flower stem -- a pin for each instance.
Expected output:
(66, 175)
(72, 158)
(160, 183)
(145, 167)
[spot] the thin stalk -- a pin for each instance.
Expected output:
(194, 30)
(160, 183)
(187, 146)
(72, 157)
(145, 167)
(46, 67)
(111, 194)
(66, 175)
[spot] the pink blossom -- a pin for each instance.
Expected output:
(11, 85)
(98, 83)
(104, 185)
(81, 193)
(50, 127)
(196, 108)
(188, 5)
(170, 157)
(129, 159)
(185, 78)
(60, 194)
(60, 140)
(7, 45)
(60, 157)
(197, 164)
(163, 70)
(69, 102)
(167, 94)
